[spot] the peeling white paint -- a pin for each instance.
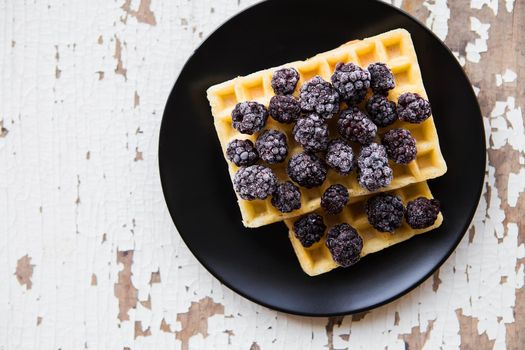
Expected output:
(396, 3)
(516, 186)
(473, 50)
(509, 5)
(478, 4)
(507, 77)
(460, 58)
(506, 122)
(438, 17)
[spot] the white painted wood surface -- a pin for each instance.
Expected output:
(89, 257)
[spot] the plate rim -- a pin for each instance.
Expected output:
(398, 295)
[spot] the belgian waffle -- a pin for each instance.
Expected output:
(395, 48)
(316, 259)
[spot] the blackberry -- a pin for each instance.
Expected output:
(254, 182)
(249, 117)
(351, 81)
(284, 81)
(381, 78)
(334, 199)
(373, 171)
(400, 145)
(311, 132)
(345, 244)
(354, 125)
(385, 212)
(381, 111)
(284, 108)
(307, 170)
(340, 156)
(413, 108)
(309, 229)
(241, 152)
(287, 197)
(272, 146)
(422, 212)
(319, 96)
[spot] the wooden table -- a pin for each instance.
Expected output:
(89, 255)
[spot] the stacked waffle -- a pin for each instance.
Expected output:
(396, 50)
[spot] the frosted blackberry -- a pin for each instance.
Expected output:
(422, 212)
(271, 146)
(413, 108)
(311, 132)
(385, 212)
(340, 156)
(284, 81)
(381, 78)
(309, 229)
(373, 171)
(249, 117)
(334, 199)
(319, 96)
(381, 111)
(400, 145)
(254, 182)
(345, 244)
(306, 170)
(287, 197)
(284, 108)
(351, 81)
(354, 125)
(241, 152)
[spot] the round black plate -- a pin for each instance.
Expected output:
(260, 263)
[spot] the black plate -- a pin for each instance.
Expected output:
(260, 263)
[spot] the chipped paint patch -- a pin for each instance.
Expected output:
(124, 289)
(143, 14)
(118, 56)
(3, 130)
(24, 271)
(39, 320)
(139, 332)
(58, 72)
(515, 187)
(195, 320)
(94, 280)
(436, 281)
(478, 4)
(255, 346)
(165, 327)
(506, 122)
(138, 155)
(136, 100)
(474, 50)
(329, 328)
(155, 277)
(417, 339)
(460, 58)
(509, 5)
(100, 74)
(230, 334)
(438, 17)
(508, 77)
(469, 333)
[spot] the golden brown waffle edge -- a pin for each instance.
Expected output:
(316, 259)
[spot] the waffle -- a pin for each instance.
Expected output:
(316, 259)
(395, 48)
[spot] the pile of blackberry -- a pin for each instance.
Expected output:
(313, 113)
